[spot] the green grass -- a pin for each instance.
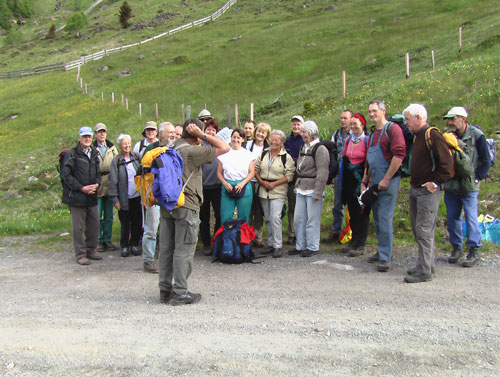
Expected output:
(285, 49)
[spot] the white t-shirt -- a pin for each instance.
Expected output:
(235, 164)
(256, 152)
(138, 144)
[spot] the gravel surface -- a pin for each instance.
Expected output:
(284, 317)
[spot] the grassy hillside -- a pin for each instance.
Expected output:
(285, 48)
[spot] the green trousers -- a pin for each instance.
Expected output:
(105, 210)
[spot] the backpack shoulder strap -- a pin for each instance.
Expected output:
(428, 141)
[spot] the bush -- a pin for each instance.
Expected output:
(14, 36)
(5, 16)
(76, 23)
(52, 32)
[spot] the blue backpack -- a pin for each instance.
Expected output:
(228, 247)
(167, 185)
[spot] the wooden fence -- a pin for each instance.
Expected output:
(100, 54)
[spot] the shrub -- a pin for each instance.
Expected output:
(76, 23)
(14, 36)
(52, 32)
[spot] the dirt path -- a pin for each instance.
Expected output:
(285, 317)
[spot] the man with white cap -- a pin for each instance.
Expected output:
(205, 115)
(106, 151)
(150, 134)
(293, 145)
(458, 196)
(81, 178)
(339, 137)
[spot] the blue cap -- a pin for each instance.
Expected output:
(84, 131)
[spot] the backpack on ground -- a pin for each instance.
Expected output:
(462, 164)
(408, 136)
(232, 242)
(333, 168)
(144, 177)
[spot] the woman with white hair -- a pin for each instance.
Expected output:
(312, 174)
(125, 197)
(274, 170)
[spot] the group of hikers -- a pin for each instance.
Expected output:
(261, 174)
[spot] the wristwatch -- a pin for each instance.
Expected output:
(434, 184)
(205, 137)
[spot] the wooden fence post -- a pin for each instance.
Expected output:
(140, 110)
(156, 110)
(112, 97)
(126, 103)
(81, 83)
(78, 74)
(251, 111)
(236, 116)
(188, 111)
(229, 116)
(92, 94)
(407, 64)
(344, 85)
(460, 39)
(433, 60)
(86, 89)
(183, 117)
(122, 100)
(102, 96)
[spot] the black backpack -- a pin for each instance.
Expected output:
(333, 168)
(228, 247)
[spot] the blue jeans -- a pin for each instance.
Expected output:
(307, 222)
(150, 232)
(454, 204)
(338, 206)
(383, 214)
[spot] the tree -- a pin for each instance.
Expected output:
(6, 15)
(76, 23)
(125, 14)
(52, 32)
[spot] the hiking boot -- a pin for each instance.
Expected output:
(125, 252)
(348, 248)
(383, 266)
(374, 258)
(308, 253)
(83, 261)
(165, 297)
(414, 271)
(150, 267)
(93, 255)
(207, 251)
(269, 250)
(277, 253)
(184, 299)
(135, 250)
(332, 237)
(356, 252)
(108, 246)
(418, 278)
(455, 255)
(291, 241)
(472, 258)
(101, 248)
(294, 252)
(257, 243)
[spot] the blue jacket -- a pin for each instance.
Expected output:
(293, 145)
(167, 185)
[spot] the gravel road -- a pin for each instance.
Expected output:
(284, 317)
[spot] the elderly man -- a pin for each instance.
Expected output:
(178, 131)
(339, 137)
(386, 151)
(152, 214)
(106, 151)
(456, 199)
(150, 134)
(432, 169)
(179, 227)
(81, 178)
(293, 144)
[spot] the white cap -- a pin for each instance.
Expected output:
(204, 115)
(297, 117)
(457, 110)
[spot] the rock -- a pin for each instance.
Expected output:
(10, 117)
(103, 68)
(395, 19)
(233, 39)
(310, 44)
(64, 234)
(372, 21)
(125, 73)
(140, 57)
(32, 179)
(332, 7)
(11, 194)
